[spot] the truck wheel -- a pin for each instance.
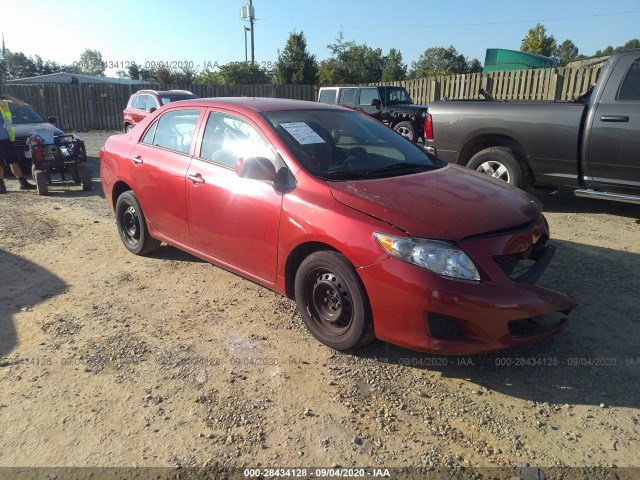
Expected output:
(407, 130)
(500, 163)
(41, 180)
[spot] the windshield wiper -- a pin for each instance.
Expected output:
(401, 166)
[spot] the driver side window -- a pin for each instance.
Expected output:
(227, 138)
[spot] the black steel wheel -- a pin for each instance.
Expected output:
(132, 225)
(332, 301)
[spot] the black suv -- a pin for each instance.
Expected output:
(390, 105)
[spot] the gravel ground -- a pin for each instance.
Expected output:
(108, 359)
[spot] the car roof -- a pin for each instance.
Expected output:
(164, 92)
(256, 104)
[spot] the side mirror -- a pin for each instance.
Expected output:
(256, 168)
(152, 109)
(52, 120)
(375, 102)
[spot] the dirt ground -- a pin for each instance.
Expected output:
(108, 359)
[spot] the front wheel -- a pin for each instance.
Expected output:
(500, 163)
(332, 301)
(132, 225)
(407, 130)
(41, 180)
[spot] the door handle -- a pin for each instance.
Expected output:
(195, 178)
(614, 118)
(137, 159)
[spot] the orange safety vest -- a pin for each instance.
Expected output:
(7, 120)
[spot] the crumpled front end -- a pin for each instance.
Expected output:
(421, 310)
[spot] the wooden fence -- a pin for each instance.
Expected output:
(99, 106)
(539, 84)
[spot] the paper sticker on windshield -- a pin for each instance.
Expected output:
(302, 132)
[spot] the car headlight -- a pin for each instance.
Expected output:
(440, 257)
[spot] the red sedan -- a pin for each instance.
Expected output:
(371, 235)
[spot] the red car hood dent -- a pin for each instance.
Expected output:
(450, 203)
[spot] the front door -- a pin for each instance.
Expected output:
(234, 220)
(614, 146)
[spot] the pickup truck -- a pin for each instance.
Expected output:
(591, 143)
(388, 104)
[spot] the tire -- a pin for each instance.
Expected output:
(407, 130)
(127, 127)
(85, 177)
(75, 175)
(41, 180)
(132, 225)
(332, 301)
(500, 163)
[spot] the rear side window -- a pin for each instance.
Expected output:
(348, 96)
(630, 89)
(328, 96)
(174, 130)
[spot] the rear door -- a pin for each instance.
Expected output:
(234, 220)
(614, 145)
(347, 97)
(161, 160)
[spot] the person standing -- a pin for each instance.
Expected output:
(8, 153)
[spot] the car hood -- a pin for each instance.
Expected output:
(450, 203)
(25, 130)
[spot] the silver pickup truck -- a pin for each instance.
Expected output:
(591, 143)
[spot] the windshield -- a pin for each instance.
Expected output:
(397, 96)
(25, 114)
(174, 97)
(346, 145)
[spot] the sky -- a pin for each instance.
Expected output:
(206, 32)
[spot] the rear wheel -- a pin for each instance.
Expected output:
(73, 171)
(127, 127)
(41, 179)
(132, 225)
(500, 163)
(407, 130)
(85, 177)
(332, 301)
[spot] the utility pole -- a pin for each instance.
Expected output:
(252, 17)
(248, 12)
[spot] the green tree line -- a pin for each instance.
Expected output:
(349, 62)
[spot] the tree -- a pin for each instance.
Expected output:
(537, 41)
(566, 52)
(295, 65)
(138, 73)
(443, 61)
(18, 65)
(91, 63)
(633, 43)
(164, 76)
(237, 73)
(351, 63)
(394, 69)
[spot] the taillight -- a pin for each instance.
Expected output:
(428, 127)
